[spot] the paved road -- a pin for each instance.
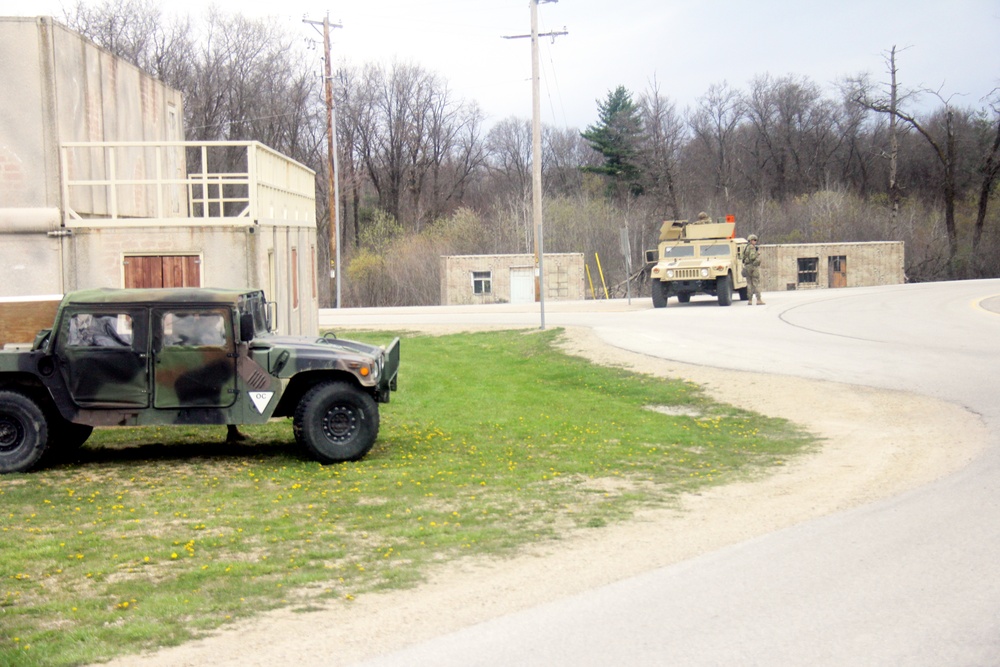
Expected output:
(913, 580)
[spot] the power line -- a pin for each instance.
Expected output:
(333, 184)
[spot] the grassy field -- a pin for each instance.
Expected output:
(494, 440)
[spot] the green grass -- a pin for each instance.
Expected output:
(494, 440)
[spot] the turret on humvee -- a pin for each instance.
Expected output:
(697, 258)
(131, 357)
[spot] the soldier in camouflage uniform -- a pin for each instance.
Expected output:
(751, 267)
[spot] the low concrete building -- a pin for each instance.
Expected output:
(791, 266)
(472, 279)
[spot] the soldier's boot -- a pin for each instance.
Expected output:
(233, 434)
(759, 302)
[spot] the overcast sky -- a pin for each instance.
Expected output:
(687, 45)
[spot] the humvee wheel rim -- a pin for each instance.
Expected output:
(340, 423)
(11, 434)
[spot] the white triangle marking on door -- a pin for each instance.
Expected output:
(261, 399)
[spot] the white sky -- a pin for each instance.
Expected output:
(952, 46)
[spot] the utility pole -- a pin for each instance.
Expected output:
(332, 171)
(536, 155)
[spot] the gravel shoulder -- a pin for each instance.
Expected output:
(876, 444)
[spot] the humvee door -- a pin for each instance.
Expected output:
(104, 359)
(194, 358)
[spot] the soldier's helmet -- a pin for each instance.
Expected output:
(752, 237)
(703, 217)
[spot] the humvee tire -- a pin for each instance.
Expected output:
(24, 432)
(336, 422)
(657, 289)
(724, 289)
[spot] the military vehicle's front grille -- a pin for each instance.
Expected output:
(687, 274)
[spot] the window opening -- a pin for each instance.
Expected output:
(808, 270)
(482, 282)
(100, 330)
(194, 329)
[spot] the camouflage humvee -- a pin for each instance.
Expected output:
(697, 258)
(127, 357)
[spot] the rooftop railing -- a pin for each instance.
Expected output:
(183, 183)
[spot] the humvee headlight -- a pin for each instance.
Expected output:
(364, 370)
(670, 273)
(704, 273)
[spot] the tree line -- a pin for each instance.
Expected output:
(425, 173)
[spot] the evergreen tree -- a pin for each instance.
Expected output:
(617, 136)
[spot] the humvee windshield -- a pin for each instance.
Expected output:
(679, 251)
(715, 250)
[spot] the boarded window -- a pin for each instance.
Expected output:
(162, 271)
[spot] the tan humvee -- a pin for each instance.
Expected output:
(697, 258)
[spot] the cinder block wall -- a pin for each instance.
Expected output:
(867, 264)
(564, 277)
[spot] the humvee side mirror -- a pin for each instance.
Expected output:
(246, 327)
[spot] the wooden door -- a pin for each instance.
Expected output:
(838, 271)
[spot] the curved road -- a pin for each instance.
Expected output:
(913, 580)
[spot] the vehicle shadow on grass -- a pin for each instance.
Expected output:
(187, 452)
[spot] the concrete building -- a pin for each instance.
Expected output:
(99, 189)
(830, 265)
(473, 279)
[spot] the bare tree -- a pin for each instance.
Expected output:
(714, 123)
(418, 145)
(564, 153)
(137, 32)
(456, 151)
(509, 149)
(351, 115)
(942, 144)
(793, 138)
(664, 133)
(990, 170)
(894, 193)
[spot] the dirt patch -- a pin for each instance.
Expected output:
(876, 444)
